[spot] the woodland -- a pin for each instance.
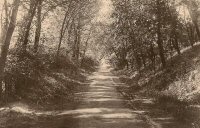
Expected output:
(50, 47)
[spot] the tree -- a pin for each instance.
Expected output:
(192, 6)
(5, 26)
(174, 27)
(7, 39)
(38, 27)
(28, 21)
(159, 5)
(145, 30)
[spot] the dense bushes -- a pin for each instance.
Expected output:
(40, 77)
(89, 63)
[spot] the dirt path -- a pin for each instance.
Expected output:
(101, 106)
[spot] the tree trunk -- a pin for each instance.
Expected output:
(78, 39)
(86, 44)
(63, 29)
(152, 56)
(38, 27)
(190, 33)
(61, 33)
(160, 47)
(197, 29)
(5, 26)
(6, 41)
(31, 14)
(75, 40)
(69, 37)
(174, 35)
(177, 46)
(6, 13)
(159, 35)
(194, 16)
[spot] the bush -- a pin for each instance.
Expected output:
(26, 72)
(89, 63)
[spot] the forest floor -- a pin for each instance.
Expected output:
(100, 106)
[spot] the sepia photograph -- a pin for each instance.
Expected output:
(99, 63)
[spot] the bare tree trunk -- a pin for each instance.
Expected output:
(69, 36)
(61, 33)
(197, 29)
(6, 41)
(6, 13)
(4, 27)
(159, 39)
(63, 28)
(174, 35)
(31, 14)
(194, 16)
(74, 40)
(86, 44)
(78, 40)
(160, 47)
(38, 28)
(152, 56)
(190, 33)
(175, 42)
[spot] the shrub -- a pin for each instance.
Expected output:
(89, 63)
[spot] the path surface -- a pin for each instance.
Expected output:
(101, 106)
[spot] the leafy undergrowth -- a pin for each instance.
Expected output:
(44, 81)
(39, 85)
(175, 89)
(180, 79)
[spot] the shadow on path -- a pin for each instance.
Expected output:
(101, 106)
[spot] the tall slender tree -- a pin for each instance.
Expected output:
(38, 26)
(7, 39)
(28, 21)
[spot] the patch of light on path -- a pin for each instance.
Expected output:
(103, 99)
(101, 111)
(110, 116)
(119, 115)
(21, 110)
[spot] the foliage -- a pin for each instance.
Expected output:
(146, 33)
(50, 36)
